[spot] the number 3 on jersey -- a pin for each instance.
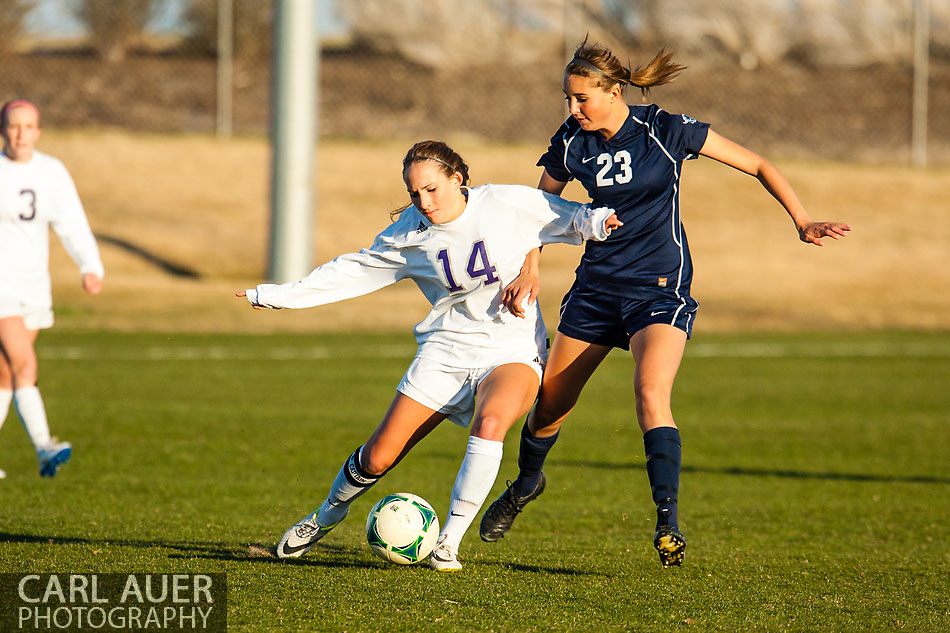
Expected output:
(478, 266)
(621, 158)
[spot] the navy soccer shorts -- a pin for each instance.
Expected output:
(603, 319)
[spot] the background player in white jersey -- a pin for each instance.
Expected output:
(36, 193)
(631, 291)
(460, 245)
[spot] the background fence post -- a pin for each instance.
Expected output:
(225, 66)
(918, 146)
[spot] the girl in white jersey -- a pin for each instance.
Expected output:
(460, 245)
(36, 193)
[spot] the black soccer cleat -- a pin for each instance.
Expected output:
(501, 514)
(669, 542)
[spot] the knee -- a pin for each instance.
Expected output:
(491, 426)
(653, 398)
(374, 463)
(24, 371)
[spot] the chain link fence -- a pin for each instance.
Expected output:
(810, 79)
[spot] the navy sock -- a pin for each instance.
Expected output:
(663, 450)
(530, 460)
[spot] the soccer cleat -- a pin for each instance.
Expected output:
(444, 558)
(669, 542)
(501, 514)
(3, 474)
(52, 456)
(298, 540)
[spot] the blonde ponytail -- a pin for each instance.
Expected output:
(598, 62)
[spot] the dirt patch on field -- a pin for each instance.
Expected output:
(184, 222)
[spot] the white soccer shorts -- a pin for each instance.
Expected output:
(34, 317)
(450, 390)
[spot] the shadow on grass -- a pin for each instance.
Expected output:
(539, 569)
(166, 265)
(184, 549)
(260, 553)
(769, 472)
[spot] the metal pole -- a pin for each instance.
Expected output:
(225, 67)
(293, 132)
(918, 143)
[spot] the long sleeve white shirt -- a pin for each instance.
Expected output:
(462, 268)
(35, 196)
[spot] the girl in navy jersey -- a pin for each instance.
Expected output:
(631, 291)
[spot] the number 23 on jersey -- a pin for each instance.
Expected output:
(607, 175)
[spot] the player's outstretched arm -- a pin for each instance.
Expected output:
(725, 151)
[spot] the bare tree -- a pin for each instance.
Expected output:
(114, 27)
(12, 13)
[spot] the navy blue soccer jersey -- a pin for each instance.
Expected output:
(637, 173)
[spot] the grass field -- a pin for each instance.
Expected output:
(815, 492)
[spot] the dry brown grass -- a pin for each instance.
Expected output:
(203, 203)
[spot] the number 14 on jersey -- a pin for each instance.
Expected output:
(478, 266)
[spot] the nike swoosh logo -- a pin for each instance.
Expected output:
(456, 514)
(293, 550)
(660, 312)
(587, 160)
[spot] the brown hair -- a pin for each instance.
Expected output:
(437, 151)
(598, 62)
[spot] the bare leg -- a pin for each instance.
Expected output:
(570, 365)
(658, 351)
(405, 423)
(20, 371)
(504, 396)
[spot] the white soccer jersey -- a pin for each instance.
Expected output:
(462, 268)
(34, 196)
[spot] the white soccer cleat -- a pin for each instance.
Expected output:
(298, 540)
(52, 456)
(444, 558)
(3, 474)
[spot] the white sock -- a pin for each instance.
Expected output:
(6, 397)
(350, 483)
(29, 406)
(472, 485)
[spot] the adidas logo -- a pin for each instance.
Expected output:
(422, 227)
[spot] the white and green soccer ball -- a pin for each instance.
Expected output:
(402, 528)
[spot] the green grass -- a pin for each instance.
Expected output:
(815, 492)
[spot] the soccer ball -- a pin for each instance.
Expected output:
(402, 528)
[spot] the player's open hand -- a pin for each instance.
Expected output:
(522, 291)
(91, 283)
(813, 232)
